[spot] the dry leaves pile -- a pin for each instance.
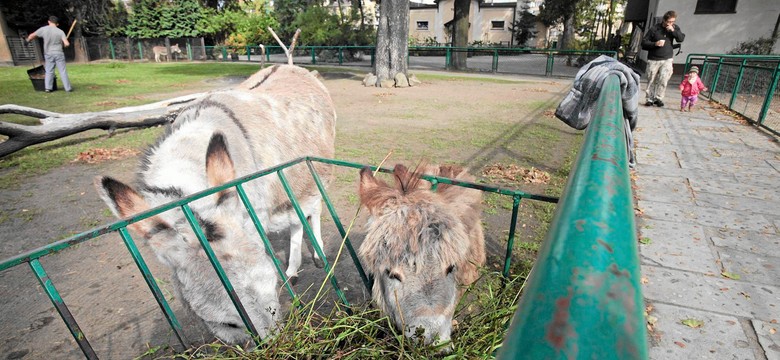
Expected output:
(516, 173)
(97, 155)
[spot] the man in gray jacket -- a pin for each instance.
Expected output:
(53, 41)
(660, 53)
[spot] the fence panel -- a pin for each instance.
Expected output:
(746, 84)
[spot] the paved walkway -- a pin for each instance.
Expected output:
(708, 189)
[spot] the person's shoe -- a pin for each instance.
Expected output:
(659, 103)
(649, 103)
(71, 90)
(48, 91)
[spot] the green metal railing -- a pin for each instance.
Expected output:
(120, 226)
(746, 84)
(583, 298)
(542, 62)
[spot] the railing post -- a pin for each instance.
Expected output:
(341, 55)
(550, 61)
(737, 83)
(140, 50)
(248, 53)
(495, 60)
(768, 97)
(224, 54)
(189, 51)
(715, 79)
(111, 46)
(448, 58)
(583, 298)
(313, 55)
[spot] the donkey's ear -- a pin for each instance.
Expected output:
(124, 201)
(373, 192)
(219, 165)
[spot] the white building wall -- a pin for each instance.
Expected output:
(718, 33)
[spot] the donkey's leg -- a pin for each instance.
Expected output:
(296, 237)
(316, 227)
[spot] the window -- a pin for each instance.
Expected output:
(497, 25)
(422, 25)
(716, 7)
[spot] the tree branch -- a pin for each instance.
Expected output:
(55, 125)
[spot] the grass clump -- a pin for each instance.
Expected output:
(481, 322)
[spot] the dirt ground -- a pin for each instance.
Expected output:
(477, 123)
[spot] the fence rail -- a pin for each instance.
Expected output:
(583, 299)
(746, 84)
(505, 60)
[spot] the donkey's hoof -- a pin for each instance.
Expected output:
(293, 280)
(318, 262)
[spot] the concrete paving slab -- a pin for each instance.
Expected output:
(656, 158)
(749, 190)
(678, 246)
(664, 189)
(751, 267)
(706, 216)
(675, 171)
(713, 293)
(719, 336)
(768, 337)
(739, 203)
(749, 241)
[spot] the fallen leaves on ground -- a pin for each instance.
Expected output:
(645, 240)
(729, 275)
(549, 113)
(516, 173)
(680, 344)
(693, 323)
(97, 155)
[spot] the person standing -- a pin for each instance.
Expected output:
(53, 41)
(660, 53)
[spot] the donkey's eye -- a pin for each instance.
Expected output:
(393, 275)
(450, 269)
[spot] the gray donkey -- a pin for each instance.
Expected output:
(280, 113)
(421, 247)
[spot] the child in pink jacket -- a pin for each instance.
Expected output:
(690, 87)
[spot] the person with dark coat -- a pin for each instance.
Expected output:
(659, 42)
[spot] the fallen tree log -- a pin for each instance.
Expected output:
(56, 125)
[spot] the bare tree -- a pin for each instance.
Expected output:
(392, 45)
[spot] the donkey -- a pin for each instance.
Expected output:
(281, 113)
(421, 247)
(163, 51)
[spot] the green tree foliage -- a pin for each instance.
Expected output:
(29, 15)
(319, 26)
(524, 28)
(760, 46)
(555, 12)
(161, 18)
(246, 24)
(285, 12)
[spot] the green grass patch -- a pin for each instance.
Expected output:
(445, 77)
(482, 315)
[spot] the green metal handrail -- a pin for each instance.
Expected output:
(583, 298)
(32, 257)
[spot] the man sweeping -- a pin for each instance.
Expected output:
(53, 41)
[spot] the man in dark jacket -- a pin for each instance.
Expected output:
(658, 42)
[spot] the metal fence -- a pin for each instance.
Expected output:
(583, 299)
(33, 258)
(541, 62)
(746, 84)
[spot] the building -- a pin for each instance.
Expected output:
(430, 21)
(710, 26)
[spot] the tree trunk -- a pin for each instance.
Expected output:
(392, 45)
(568, 33)
(460, 33)
(77, 40)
